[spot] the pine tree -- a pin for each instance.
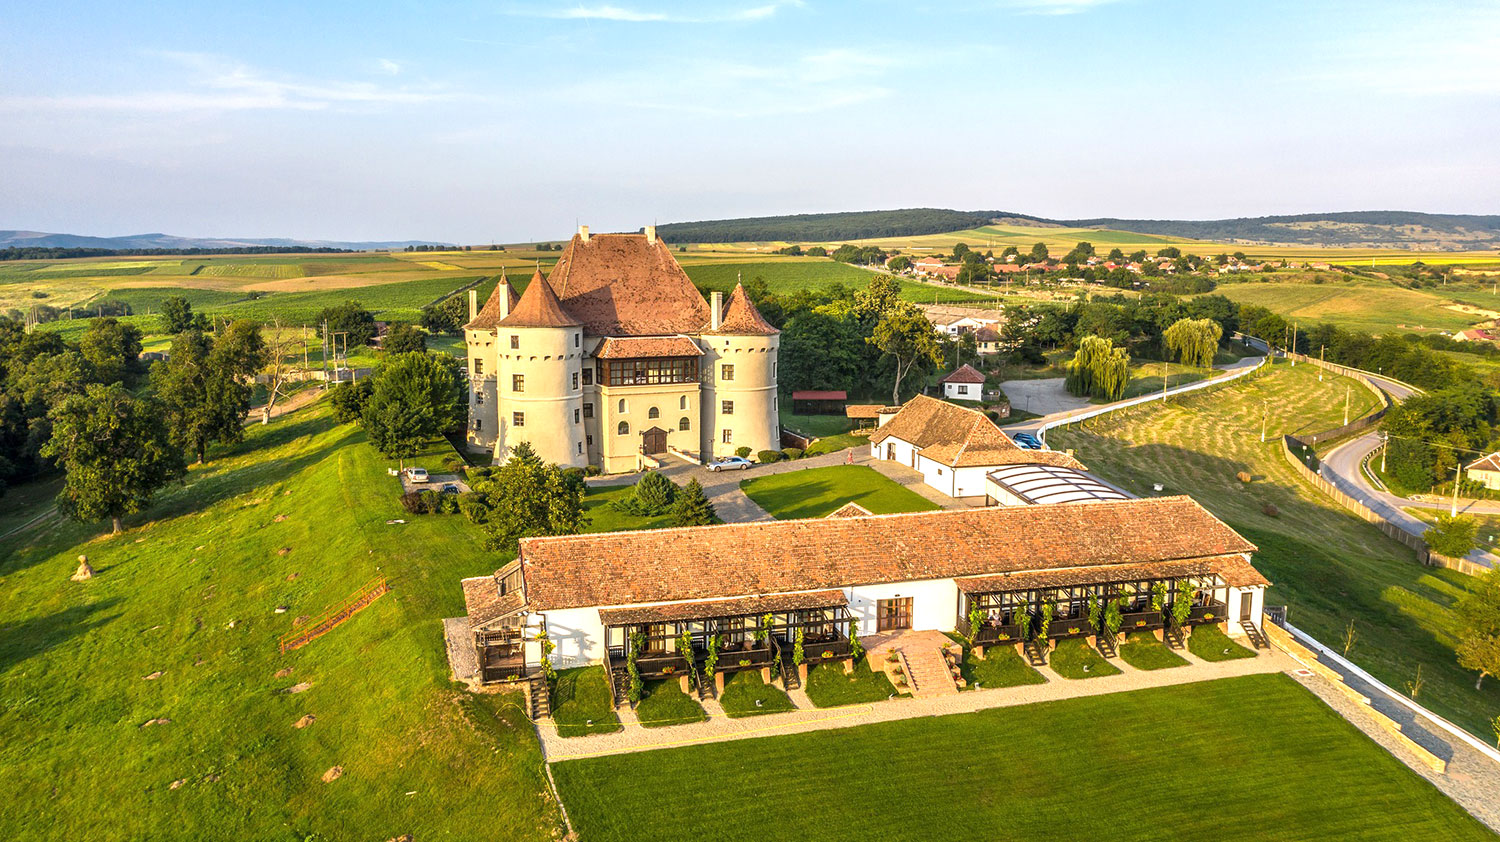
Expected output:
(693, 508)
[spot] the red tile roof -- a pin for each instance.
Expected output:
(489, 315)
(986, 334)
(625, 285)
(1488, 463)
(748, 606)
(850, 509)
(815, 395)
(863, 410)
(741, 318)
(964, 374)
(640, 347)
(538, 307)
(745, 559)
(960, 437)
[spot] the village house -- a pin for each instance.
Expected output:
(1477, 334)
(953, 447)
(759, 595)
(1485, 471)
(615, 356)
(966, 383)
(987, 340)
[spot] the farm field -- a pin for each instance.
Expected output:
(1327, 565)
(1103, 767)
(817, 491)
(1374, 307)
(297, 517)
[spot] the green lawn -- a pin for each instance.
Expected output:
(746, 695)
(1253, 758)
(1144, 652)
(1001, 666)
(605, 518)
(665, 704)
(581, 704)
(833, 444)
(828, 686)
(1327, 565)
(816, 425)
(296, 517)
(1210, 643)
(817, 491)
(1075, 658)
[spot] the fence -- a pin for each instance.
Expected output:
(1357, 424)
(1212, 382)
(330, 618)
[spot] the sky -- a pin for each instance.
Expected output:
(513, 121)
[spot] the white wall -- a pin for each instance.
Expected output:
(934, 603)
(1001, 495)
(970, 391)
(1257, 597)
(578, 634)
(969, 482)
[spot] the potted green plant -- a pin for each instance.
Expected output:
(799, 655)
(976, 621)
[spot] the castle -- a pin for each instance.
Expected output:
(615, 356)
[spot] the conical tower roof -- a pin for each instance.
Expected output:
(489, 315)
(539, 307)
(741, 317)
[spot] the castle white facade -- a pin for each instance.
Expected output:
(615, 355)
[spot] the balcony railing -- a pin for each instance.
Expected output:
(1065, 628)
(1140, 621)
(1216, 612)
(991, 632)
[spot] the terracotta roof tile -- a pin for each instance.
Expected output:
(539, 307)
(489, 315)
(817, 395)
(964, 374)
(741, 318)
(624, 285)
(638, 347)
(747, 606)
(715, 562)
(960, 437)
(863, 410)
(986, 334)
(850, 509)
(484, 603)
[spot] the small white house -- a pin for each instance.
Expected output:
(966, 383)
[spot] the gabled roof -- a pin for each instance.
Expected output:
(961, 438)
(641, 347)
(779, 557)
(741, 318)
(538, 307)
(850, 509)
(986, 334)
(489, 315)
(1488, 463)
(964, 374)
(626, 285)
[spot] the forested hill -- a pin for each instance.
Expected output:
(827, 227)
(1371, 229)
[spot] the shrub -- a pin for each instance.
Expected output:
(412, 502)
(448, 504)
(473, 506)
(766, 457)
(592, 471)
(653, 495)
(742, 452)
(792, 453)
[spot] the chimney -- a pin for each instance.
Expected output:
(504, 298)
(651, 234)
(583, 231)
(473, 304)
(716, 305)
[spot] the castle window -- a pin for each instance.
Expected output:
(622, 404)
(479, 397)
(515, 341)
(653, 412)
(726, 371)
(518, 419)
(575, 416)
(729, 437)
(518, 382)
(590, 440)
(478, 367)
(588, 410)
(577, 340)
(588, 377)
(726, 407)
(682, 402)
(580, 448)
(575, 380)
(684, 424)
(624, 428)
(649, 372)
(477, 425)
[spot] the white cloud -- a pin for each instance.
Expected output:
(1418, 55)
(390, 68)
(1055, 7)
(621, 14)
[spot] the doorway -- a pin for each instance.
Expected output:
(1247, 602)
(893, 614)
(654, 441)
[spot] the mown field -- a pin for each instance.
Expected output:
(180, 627)
(1370, 306)
(1327, 565)
(1252, 758)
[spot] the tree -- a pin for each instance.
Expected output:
(692, 507)
(179, 315)
(900, 263)
(447, 316)
(414, 398)
(959, 250)
(528, 497)
(278, 364)
(115, 450)
(350, 318)
(1479, 642)
(349, 399)
(1194, 341)
(403, 338)
(1038, 252)
(1098, 369)
(1116, 255)
(112, 348)
(1451, 536)
(905, 335)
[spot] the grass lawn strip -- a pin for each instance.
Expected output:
(580, 697)
(1259, 748)
(828, 686)
(817, 491)
(665, 704)
(1001, 666)
(742, 690)
(1144, 652)
(1211, 644)
(1075, 658)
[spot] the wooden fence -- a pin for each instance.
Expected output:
(334, 615)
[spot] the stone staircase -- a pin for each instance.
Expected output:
(1254, 635)
(927, 671)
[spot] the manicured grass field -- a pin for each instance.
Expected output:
(1327, 565)
(1211, 644)
(1075, 658)
(296, 517)
(581, 704)
(603, 517)
(665, 704)
(816, 425)
(746, 695)
(817, 491)
(1144, 652)
(833, 444)
(1374, 306)
(1001, 666)
(828, 686)
(1253, 758)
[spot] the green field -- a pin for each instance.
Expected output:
(1253, 758)
(1326, 564)
(1370, 306)
(297, 517)
(815, 492)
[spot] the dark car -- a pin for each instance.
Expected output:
(1027, 441)
(450, 488)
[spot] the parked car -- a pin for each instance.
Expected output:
(730, 463)
(1027, 441)
(416, 474)
(450, 488)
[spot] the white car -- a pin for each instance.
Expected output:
(730, 463)
(416, 474)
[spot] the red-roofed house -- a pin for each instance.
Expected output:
(1485, 471)
(964, 384)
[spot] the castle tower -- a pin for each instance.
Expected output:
(740, 402)
(483, 364)
(539, 347)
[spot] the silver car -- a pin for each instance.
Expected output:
(730, 463)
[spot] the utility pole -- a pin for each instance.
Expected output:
(1457, 472)
(1265, 411)
(1321, 349)
(1384, 446)
(1346, 406)
(325, 354)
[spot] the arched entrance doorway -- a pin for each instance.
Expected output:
(654, 441)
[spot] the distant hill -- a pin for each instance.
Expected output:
(38, 239)
(1367, 229)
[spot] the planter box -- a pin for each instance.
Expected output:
(988, 635)
(730, 659)
(1140, 621)
(1202, 614)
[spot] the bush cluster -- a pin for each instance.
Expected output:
(430, 502)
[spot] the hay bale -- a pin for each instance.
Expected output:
(333, 774)
(84, 571)
(1243, 476)
(1270, 510)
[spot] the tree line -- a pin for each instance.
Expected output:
(60, 253)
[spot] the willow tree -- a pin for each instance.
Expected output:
(1194, 341)
(1099, 369)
